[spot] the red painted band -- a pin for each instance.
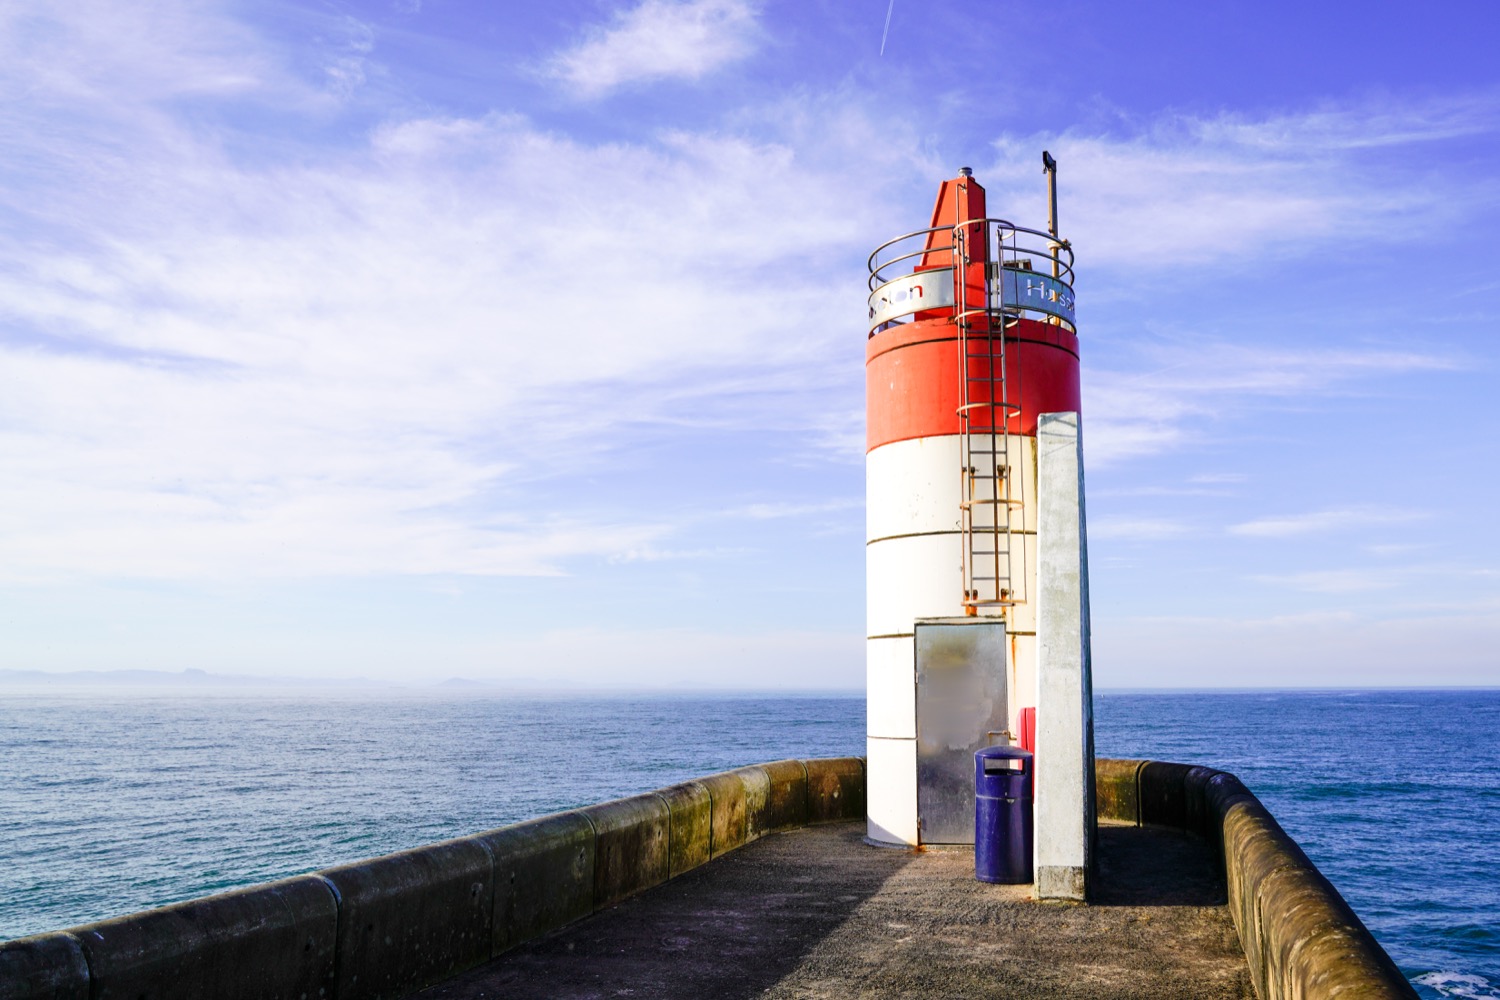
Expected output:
(912, 379)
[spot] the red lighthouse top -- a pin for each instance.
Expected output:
(937, 361)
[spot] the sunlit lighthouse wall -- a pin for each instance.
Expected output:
(971, 341)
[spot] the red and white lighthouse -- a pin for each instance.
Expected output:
(971, 340)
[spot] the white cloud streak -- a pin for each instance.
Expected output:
(1139, 529)
(658, 40)
(1195, 191)
(356, 363)
(1134, 413)
(1322, 521)
(1334, 581)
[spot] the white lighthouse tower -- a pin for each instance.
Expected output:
(976, 571)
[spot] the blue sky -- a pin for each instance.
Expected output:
(419, 338)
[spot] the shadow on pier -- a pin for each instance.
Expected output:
(1146, 866)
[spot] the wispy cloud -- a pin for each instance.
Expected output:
(1290, 525)
(356, 362)
(1337, 581)
(776, 511)
(659, 39)
(1195, 191)
(1142, 529)
(1163, 407)
(98, 52)
(348, 56)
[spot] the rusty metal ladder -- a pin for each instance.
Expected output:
(990, 490)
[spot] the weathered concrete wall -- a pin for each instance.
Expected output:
(47, 965)
(1300, 937)
(835, 789)
(411, 919)
(392, 925)
(544, 876)
(690, 815)
(1063, 855)
(274, 941)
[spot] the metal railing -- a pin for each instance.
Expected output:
(1030, 273)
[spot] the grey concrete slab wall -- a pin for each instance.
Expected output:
(544, 876)
(43, 967)
(273, 942)
(1064, 773)
(410, 919)
(1195, 803)
(1163, 796)
(690, 809)
(1117, 790)
(835, 789)
(1221, 791)
(729, 822)
(1301, 939)
(786, 799)
(758, 816)
(631, 845)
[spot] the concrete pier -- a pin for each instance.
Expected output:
(815, 912)
(756, 882)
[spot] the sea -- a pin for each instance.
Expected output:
(115, 804)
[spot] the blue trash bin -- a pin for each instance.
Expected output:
(1002, 815)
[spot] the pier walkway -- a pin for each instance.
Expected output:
(815, 912)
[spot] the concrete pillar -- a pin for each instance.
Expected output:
(1065, 710)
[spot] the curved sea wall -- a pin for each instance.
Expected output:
(390, 926)
(1301, 939)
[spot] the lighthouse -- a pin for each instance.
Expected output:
(976, 564)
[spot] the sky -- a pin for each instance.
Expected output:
(418, 339)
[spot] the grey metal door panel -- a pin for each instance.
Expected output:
(961, 700)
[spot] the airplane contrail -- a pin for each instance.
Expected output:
(887, 30)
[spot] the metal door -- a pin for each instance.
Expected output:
(961, 707)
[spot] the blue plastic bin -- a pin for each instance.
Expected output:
(1002, 815)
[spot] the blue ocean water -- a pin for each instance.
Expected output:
(1395, 795)
(109, 805)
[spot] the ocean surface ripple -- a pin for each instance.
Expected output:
(1395, 795)
(110, 805)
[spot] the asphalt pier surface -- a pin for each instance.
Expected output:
(816, 912)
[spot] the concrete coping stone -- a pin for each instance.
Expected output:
(757, 786)
(690, 810)
(544, 876)
(728, 822)
(413, 918)
(632, 841)
(835, 789)
(1117, 789)
(787, 794)
(272, 940)
(44, 965)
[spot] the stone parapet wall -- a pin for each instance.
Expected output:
(1300, 937)
(390, 926)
